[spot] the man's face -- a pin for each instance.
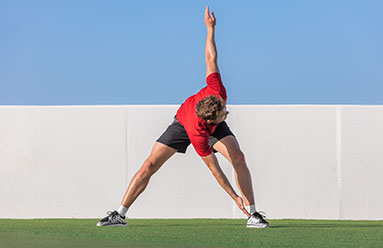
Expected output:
(220, 117)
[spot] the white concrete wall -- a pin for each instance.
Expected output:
(307, 161)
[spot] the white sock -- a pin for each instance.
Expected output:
(251, 209)
(122, 210)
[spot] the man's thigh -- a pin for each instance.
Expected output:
(160, 154)
(220, 132)
(228, 147)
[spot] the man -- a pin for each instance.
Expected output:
(201, 121)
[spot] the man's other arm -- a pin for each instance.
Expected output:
(212, 163)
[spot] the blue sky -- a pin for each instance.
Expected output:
(152, 52)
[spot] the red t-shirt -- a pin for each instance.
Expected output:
(197, 129)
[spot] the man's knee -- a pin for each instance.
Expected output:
(238, 158)
(148, 168)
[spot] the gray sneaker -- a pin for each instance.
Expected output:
(257, 220)
(113, 219)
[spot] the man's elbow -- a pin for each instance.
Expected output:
(211, 59)
(211, 65)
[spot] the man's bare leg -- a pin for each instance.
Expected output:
(229, 148)
(160, 153)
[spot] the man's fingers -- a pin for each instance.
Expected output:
(245, 212)
(239, 202)
(212, 16)
(207, 12)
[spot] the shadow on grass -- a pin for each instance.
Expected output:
(213, 225)
(314, 226)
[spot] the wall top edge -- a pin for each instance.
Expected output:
(176, 105)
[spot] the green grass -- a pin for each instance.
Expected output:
(190, 233)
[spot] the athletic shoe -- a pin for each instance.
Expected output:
(257, 220)
(113, 219)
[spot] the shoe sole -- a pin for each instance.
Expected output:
(257, 226)
(112, 225)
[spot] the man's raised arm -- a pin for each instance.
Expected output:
(210, 50)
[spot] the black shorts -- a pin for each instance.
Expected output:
(176, 137)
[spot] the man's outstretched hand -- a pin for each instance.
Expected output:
(239, 202)
(209, 20)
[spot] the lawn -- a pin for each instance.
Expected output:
(190, 233)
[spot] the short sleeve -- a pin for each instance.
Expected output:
(215, 85)
(201, 145)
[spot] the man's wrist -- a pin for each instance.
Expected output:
(210, 28)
